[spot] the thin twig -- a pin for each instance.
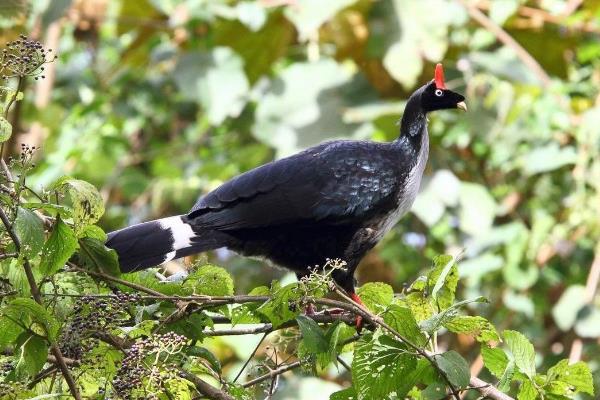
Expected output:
(262, 339)
(508, 40)
(273, 373)
(110, 278)
(35, 293)
(204, 387)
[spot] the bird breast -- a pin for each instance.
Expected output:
(408, 191)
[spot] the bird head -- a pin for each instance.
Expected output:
(435, 95)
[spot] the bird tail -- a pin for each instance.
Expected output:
(152, 243)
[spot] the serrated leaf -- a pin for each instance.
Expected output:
(30, 231)
(478, 327)
(455, 367)
(443, 279)
(527, 391)
(496, 361)
(419, 305)
(283, 305)
(95, 255)
(10, 331)
(402, 319)
(32, 316)
(376, 296)
(59, 247)
(88, 205)
(5, 129)
(379, 365)
(578, 376)
(313, 337)
(522, 351)
(204, 353)
(436, 321)
(31, 353)
(210, 280)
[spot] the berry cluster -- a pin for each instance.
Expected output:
(147, 362)
(24, 57)
(93, 314)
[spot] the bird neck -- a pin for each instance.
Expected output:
(413, 126)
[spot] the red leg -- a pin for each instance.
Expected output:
(359, 319)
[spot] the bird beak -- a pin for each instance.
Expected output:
(462, 105)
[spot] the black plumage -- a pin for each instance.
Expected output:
(333, 200)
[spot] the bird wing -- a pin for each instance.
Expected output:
(334, 182)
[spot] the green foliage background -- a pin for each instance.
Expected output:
(155, 102)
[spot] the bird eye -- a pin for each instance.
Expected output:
(438, 92)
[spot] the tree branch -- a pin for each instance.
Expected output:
(508, 40)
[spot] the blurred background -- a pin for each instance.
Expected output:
(159, 101)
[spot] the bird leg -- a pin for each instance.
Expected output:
(358, 322)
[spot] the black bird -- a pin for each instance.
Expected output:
(333, 200)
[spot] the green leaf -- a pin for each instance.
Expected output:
(522, 351)
(204, 353)
(346, 394)
(548, 158)
(570, 303)
(402, 319)
(31, 353)
(308, 15)
(435, 391)
(9, 332)
(379, 365)
(313, 337)
(477, 209)
(283, 305)
(5, 129)
(443, 278)
(215, 79)
(455, 367)
(496, 361)
(578, 376)
(588, 325)
(376, 296)
(210, 280)
(418, 30)
(88, 205)
(30, 231)
(527, 391)
(95, 255)
(32, 316)
(59, 247)
(478, 327)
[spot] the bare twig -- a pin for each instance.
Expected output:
(508, 40)
(262, 339)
